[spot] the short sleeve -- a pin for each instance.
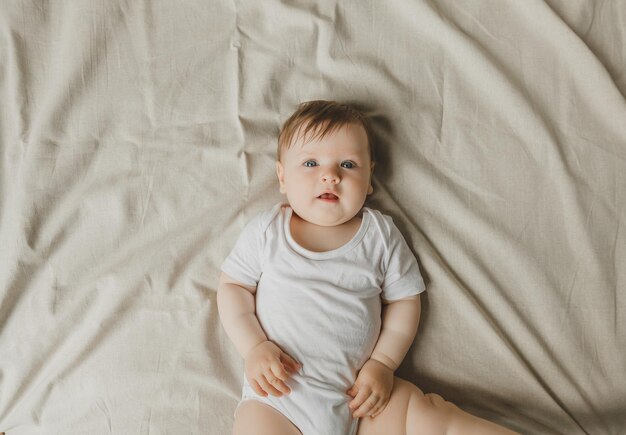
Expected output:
(402, 275)
(245, 261)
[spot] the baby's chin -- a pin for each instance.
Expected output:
(325, 218)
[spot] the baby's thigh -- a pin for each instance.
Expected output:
(392, 421)
(255, 418)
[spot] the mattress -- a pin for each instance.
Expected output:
(138, 138)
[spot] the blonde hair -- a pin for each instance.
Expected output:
(319, 118)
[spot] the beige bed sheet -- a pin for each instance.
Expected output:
(138, 137)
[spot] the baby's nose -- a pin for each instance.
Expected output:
(330, 175)
(330, 178)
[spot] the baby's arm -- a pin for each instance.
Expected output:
(235, 303)
(267, 367)
(399, 326)
(372, 388)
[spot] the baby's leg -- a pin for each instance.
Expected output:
(255, 418)
(411, 412)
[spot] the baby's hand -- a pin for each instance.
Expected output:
(371, 390)
(267, 368)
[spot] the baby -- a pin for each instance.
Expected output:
(320, 296)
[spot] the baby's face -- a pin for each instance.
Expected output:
(340, 163)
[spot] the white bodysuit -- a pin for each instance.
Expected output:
(322, 308)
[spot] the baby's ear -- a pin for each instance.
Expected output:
(370, 189)
(280, 173)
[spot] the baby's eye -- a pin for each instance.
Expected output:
(310, 161)
(349, 164)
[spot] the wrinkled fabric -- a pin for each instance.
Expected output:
(138, 138)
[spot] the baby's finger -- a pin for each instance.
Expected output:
(278, 380)
(269, 386)
(290, 362)
(257, 388)
(365, 408)
(278, 384)
(378, 409)
(293, 368)
(359, 399)
(277, 369)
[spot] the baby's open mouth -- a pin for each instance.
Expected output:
(327, 196)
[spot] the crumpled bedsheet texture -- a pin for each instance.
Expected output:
(137, 138)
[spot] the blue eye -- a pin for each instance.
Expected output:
(347, 164)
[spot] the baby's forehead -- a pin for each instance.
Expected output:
(346, 135)
(338, 149)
